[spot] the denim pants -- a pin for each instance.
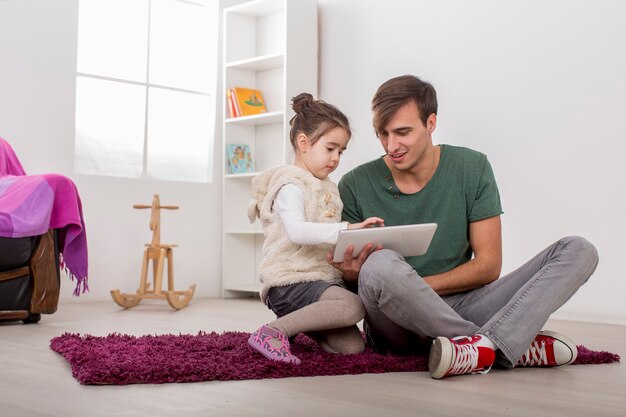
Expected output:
(402, 311)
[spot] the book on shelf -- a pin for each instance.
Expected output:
(245, 102)
(239, 158)
(232, 110)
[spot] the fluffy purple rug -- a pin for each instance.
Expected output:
(122, 359)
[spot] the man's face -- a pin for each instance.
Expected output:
(405, 138)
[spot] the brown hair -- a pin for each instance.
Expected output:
(397, 92)
(314, 118)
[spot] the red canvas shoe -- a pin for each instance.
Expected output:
(549, 349)
(458, 356)
(272, 344)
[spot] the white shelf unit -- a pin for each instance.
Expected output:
(269, 45)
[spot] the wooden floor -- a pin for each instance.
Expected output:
(35, 381)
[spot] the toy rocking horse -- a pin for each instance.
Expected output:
(158, 253)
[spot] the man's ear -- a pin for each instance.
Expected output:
(431, 122)
(303, 142)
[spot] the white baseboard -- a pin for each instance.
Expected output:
(590, 317)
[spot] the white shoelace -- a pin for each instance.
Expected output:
(535, 355)
(466, 359)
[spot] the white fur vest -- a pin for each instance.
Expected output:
(285, 262)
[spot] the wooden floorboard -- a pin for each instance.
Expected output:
(35, 381)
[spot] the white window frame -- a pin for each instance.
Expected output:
(149, 86)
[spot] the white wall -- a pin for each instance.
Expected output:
(539, 86)
(38, 40)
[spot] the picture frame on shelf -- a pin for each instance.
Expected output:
(239, 157)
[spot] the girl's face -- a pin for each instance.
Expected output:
(322, 158)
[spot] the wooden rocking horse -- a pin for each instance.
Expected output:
(158, 253)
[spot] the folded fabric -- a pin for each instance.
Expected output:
(32, 204)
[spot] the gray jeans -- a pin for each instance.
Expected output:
(402, 311)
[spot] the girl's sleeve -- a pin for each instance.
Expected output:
(289, 204)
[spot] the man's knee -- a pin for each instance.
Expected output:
(378, 266)
(584, 250)
(578, 243)
(385, 274)
(585, 256)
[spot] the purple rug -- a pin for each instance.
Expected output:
(122, 359)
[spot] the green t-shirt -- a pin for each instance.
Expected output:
(463, 189)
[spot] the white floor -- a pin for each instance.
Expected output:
(35, 381)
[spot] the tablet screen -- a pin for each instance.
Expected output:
(407, 240)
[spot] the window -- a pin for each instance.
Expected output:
(145, 88)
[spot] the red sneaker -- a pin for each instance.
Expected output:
(549, 349)
(459, 356)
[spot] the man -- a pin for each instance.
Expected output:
(451, 296)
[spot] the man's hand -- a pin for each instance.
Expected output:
(351, 266)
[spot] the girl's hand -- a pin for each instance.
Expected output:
(369, 222)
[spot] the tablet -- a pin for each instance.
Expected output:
(407, 240)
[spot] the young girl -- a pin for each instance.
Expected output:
(300, 211)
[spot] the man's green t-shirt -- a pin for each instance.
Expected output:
(462, 190)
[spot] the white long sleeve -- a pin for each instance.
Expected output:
(289, 204)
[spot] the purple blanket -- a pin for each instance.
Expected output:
(32, 204)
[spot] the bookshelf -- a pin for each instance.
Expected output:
(271, 46)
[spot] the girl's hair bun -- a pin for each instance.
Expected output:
(301, 102)
(314, 118)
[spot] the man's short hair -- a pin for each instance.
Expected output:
(397, 92)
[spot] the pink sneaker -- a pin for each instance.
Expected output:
(272, 344)
(459, 356)
(549, 349)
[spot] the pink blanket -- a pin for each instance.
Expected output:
(32, 204)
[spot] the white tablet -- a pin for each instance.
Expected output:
(407, 240)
